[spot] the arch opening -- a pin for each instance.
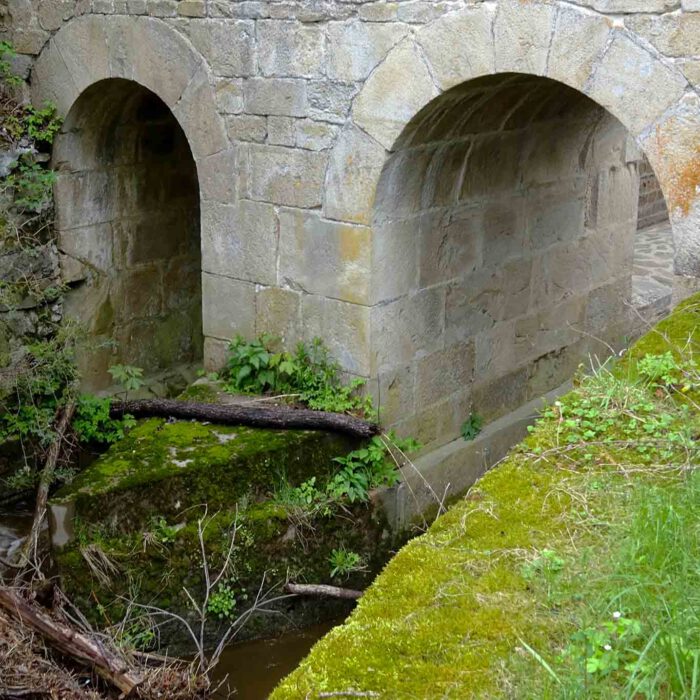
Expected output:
(516, 202)
(128, 224)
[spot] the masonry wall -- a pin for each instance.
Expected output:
(127, 202)
(292, 109)
(514, 202)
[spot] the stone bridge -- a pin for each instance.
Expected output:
(446, 191)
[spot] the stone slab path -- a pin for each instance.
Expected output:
(652, 276)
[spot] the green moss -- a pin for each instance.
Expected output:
(451, 608)
(168, 466)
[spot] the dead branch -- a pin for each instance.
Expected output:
(259, 416)
(63, 419)
(71, 643)
(322, 590)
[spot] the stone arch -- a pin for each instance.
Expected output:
(604, 76)
(113, 67)
(574, 46)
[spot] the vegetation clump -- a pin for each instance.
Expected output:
(309, 374)
(569, 571)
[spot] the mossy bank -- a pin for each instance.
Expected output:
(126, 529)
(495, 598)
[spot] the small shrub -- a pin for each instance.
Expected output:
(222, 603)
(343, 562)
(92, 422)
(472, 426)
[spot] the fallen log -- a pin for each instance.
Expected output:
(322, 590)
(71, 643)
(244, 414)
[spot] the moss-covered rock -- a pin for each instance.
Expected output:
(128, 526)
(161, 468)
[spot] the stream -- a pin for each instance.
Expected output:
(250, 670)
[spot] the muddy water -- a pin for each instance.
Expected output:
(253, 669)
(14, 527)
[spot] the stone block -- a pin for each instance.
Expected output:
(634, 85)
(495, 351)
(541, 333)
(228, 307)
(449, 245)
(459, 46)
(354, 169)
(355, 48)
(196, 113)
(324, 257)
(278, 96)
(444, 372)
(492, 165)
(315, 136)
(503, 292)
(493, 398)
(400, 191)
(217, 176)
(215, 354)
(228, 93)
(281, 131)
(503, 231)
(407, 328)
(394, 93)
(240, 240)
(89, 244)
(290, 49)
(522, 36)
(227, 46)
(394, 260)
(329, 101)
(52, 13)
(395, 396)
(344, 327)
(247, 127)
(558, 274)
(675, 34)
(555, 218)
(463, 318)
(287, 176)
(578, 41)
(278, 312)
(552, 370)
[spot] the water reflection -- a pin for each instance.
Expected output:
(254, 668)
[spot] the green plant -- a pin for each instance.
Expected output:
(92, 422)
(7, 53)
(343, 562)
(128, 376)
(31, 185)
(222, 602)
(309, 374)
(162, 532)
(472, 426)
(252, 367)
(369, 467)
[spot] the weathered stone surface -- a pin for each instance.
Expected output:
(278, 96)
(345, 327)
(278, 312)
(522, 38)
(228, 307)
(460, 46)
(287, 176)
(290, 49)
(240, 240)
(408, 328)
(442, 373)
(578, 41)
(393, 94)
(324, 257)
(228, 47)
(676, 34)
(633, 85)
(353, 171)
(355, 48)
